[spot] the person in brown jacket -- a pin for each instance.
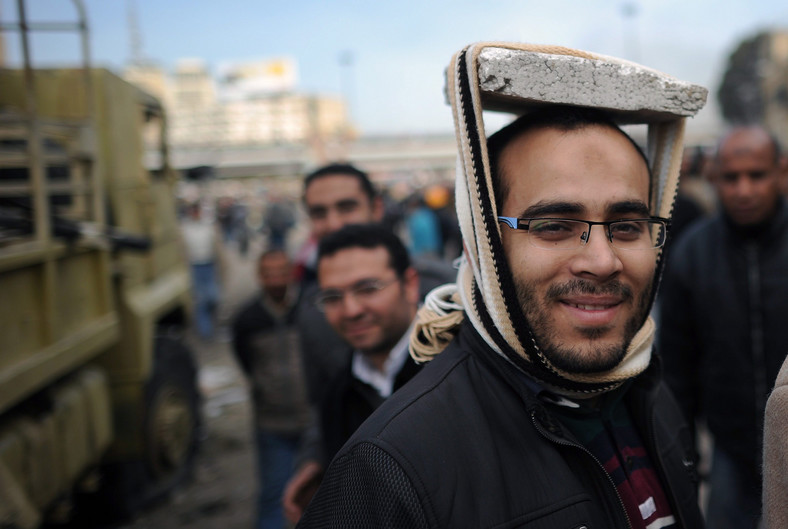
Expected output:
(775, 454)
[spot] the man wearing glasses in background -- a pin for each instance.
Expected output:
(336, 195)
(369, 293)
(542, 405)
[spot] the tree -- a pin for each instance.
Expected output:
(741, 94)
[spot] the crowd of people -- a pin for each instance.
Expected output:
(530, 387)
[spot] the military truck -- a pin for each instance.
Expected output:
(98, 393)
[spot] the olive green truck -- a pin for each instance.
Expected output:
(98, 396)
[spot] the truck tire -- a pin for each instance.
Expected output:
(172, 422)
(172, 428)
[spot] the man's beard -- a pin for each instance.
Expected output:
(592, 357)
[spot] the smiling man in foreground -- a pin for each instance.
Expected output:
(542, 405)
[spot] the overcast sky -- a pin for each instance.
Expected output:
(400, 48)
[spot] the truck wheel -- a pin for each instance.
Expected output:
(172, 422)
(171, 432)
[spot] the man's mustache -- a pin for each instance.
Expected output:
(580, 286)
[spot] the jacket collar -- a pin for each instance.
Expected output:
(763, 232)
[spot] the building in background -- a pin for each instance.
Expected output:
(246, 80)
(150, 77)
(193, 105)
(250, 104)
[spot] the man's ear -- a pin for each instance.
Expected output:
(377, 209)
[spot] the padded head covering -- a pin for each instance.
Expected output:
(519, 78)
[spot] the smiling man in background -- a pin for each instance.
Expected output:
(369, 293)
(335, 195)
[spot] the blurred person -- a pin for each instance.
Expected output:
(695, 168)
(203, 251)
(278, 220)
(224, 217)
(393, 213)
(424, 233)
(266, 344)
(723, 306)
(775, 454)
(238, 214)
(686, 209)
(542, 404)
(369, 293)
(438, 199)
(335, 195)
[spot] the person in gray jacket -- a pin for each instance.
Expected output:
(267, 346)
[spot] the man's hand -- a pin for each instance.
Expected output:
(300, 489)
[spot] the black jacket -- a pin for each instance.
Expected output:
(467, 444)
(325, 353)
(723, 330)
(350, 402)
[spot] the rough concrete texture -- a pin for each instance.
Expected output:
(544, 78)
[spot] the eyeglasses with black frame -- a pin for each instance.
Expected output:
(331, 299)
(568, 234)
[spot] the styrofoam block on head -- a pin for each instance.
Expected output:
(511, 80)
